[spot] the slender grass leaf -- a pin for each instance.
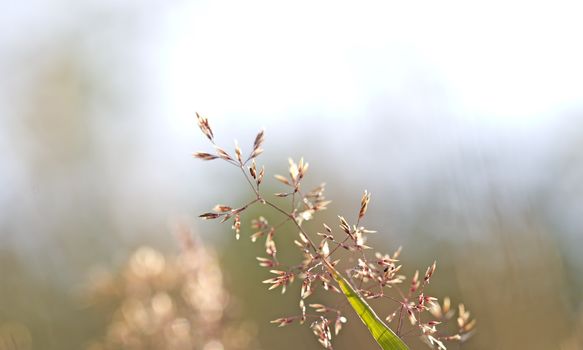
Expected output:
(384, 336)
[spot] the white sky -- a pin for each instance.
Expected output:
(508, 61)
(451, 74)
(513, 62)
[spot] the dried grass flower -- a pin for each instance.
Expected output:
(374, 276)
(168, 302)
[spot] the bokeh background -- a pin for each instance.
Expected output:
(464, 119)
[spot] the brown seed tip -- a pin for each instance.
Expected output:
(253, 170)
(363, 204)
(204, 126)
(204, 156)
(260, 176)
(258, 140)
(430, 271)
(209, 216)
(238, 152)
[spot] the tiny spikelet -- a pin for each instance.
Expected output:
(260, 176)
(204, 156)
(324, 248)
(238, 153)
(257, 150)
(344, 225)
(397, 253)
(303, 168)
(363, 204)
(283, 321)
(319, 307)
(204, 126)
(303, 310)
(223, 154)
(430, 271)
(237, 226)
(264, 262)
(220, 208)
(415, 282)
(293, 170)
(282, 194)
(282, 179)
(338, 324)
(253, 170)
(270, 247)
(306, 289)
(209, 216)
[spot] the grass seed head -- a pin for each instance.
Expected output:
(375, 275)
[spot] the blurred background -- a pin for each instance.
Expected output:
(464, 119)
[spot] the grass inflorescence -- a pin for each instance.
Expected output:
(373, 276)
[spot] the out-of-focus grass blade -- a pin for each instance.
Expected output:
(384, 336)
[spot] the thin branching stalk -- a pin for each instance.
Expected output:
(373, 277)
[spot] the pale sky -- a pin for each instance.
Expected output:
(502, 77)
(504, 61)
